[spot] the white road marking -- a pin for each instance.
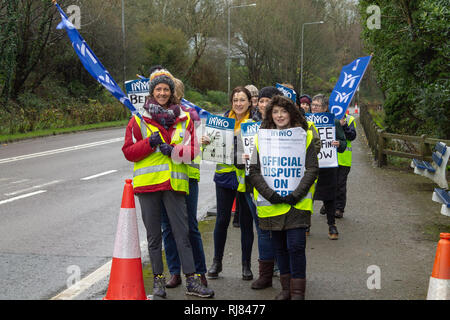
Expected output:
(31, 188)
(101, 273)
(55, 151)
(22, 196)
(20, 181)
(99, 175)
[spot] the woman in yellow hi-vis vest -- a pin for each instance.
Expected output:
(230, 184)
(287, 217)
(159, 151)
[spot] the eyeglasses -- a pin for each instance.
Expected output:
(315, 105)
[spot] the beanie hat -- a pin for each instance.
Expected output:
(269, 92)
(305, 99)
(253, 90)
(161, 76)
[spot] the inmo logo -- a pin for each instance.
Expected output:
(75, 15)
(374, 21)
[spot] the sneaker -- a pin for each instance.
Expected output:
(339, 214)
(333, 233)
(194, 287)
(159, 286)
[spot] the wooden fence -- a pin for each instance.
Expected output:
(384, 143)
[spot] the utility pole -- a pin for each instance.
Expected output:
(123, 43)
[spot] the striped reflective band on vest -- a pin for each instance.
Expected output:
(160, 168)
(240, 175)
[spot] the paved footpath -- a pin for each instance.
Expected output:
(385, 241)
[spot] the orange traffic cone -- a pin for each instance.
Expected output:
(347, 112)
(439, 287)
(356, 109)
(126, 281)
(233, 209)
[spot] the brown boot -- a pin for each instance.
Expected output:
(285, 294)
(265, 275)
(175, 281)
(298, 287)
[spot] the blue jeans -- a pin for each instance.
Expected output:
(289, 248)
(225, 198)
(172, 258)
(265, 249)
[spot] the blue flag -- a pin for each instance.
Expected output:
(346, 86)
(201, 112)
(92, 63)
(287, 92)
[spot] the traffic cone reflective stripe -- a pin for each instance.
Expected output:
(126, 280)
(439, 287)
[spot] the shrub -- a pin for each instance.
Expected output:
(193, 96)
(217, 97)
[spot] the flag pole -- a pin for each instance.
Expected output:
(136, 112)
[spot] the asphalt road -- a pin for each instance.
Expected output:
(60, 199)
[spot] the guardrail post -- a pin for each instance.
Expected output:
(424, 151)
(382, 159)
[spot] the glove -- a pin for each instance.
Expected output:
(166, 149)
(155, 140)
(275, 198)
(290, 199)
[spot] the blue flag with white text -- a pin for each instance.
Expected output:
(347, 85)
(92, 63)
(287, 92)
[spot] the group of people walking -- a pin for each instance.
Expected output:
(166, 152)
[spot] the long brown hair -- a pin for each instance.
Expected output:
(297, 119)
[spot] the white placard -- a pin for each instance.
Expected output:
(324, 123)
(220, 131)
(248, 136)
(282, 156)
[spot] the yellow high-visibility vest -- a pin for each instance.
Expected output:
(158, 168)
(266, 209)
(345, 158)
(194, 168)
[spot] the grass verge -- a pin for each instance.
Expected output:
(50, 132)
